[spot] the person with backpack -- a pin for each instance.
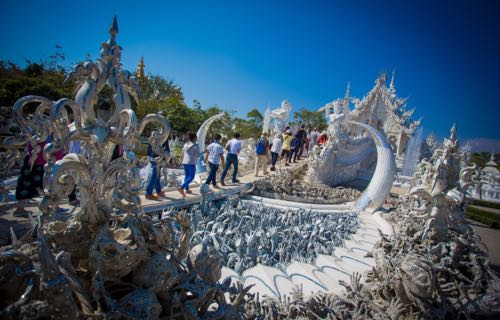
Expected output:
(287, 140)
(214, 156)
(190, 154)
(275, 150)
(261, 149)
(233, 148)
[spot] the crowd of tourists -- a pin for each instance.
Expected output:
(283, 148)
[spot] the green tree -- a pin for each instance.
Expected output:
(34, 79)
(161, 95)
(256, 117)
(158, 95)
(157, 87)
(310, 119)
(247, 128)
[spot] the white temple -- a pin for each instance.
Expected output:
(383, 110)
(489, 182)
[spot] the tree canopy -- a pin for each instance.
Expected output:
(157, 95)
(34, 79)
(310, 119)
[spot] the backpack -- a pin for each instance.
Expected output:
(260, 148)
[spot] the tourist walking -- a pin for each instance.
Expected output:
(214, 156)
(261, 149)
(275, 150)
(294, 148)
(233, 148)
(190, 154)
(30, 180)
(287, 140)
(154, 182)
(301, 136)
(307, 142)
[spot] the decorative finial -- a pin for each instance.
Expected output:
(392, 79)
(453, 132)
(381, 79)
(113, 31)
(140, 69)
(348, 91)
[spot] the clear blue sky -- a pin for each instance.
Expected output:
(240, 55)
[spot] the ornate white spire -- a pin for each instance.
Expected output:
(347, 96)
(492, 161)
(392, 88)
(391, 85)
(113, 31)
(348, 91)
(453, 133)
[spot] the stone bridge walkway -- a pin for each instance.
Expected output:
(171, 199)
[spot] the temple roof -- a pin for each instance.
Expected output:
(395, 105)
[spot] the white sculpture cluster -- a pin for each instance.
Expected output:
(294, 187)
(111, 261)
(280, 116)
(433, 267)
(488, 182)
(348, 157)
(108, 260)
(381, 109)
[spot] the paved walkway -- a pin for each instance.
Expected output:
(171, 198)
(491, 238)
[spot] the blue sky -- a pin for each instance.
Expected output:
(240, 55)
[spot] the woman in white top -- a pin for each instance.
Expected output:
(275, 150)
(190, 153)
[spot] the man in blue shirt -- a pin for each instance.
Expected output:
(214, 156)
(233, 148)
(154, 181)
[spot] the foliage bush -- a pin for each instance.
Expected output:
(489, 218)
(486, 204)
(157, 95)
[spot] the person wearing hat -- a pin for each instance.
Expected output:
(261, 149)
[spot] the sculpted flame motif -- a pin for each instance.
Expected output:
(96, 175)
